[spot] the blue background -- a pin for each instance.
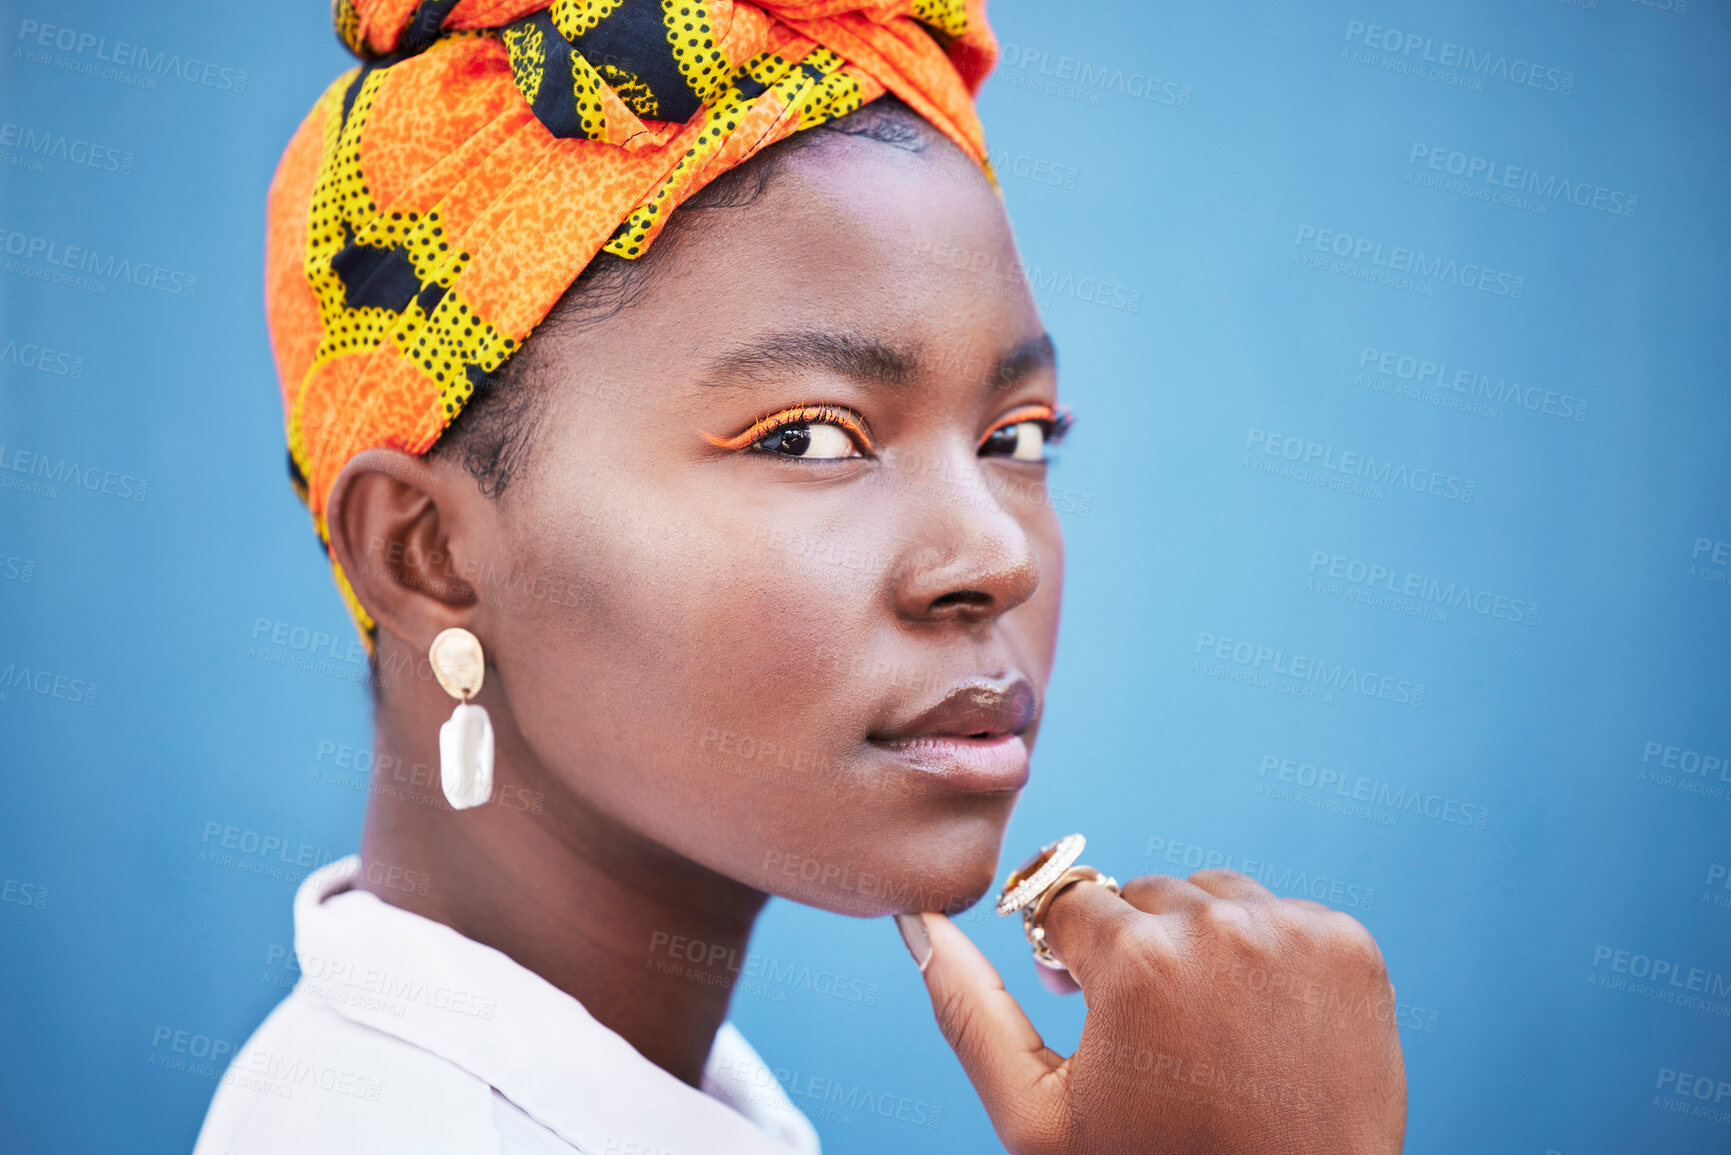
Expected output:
(1265, 121)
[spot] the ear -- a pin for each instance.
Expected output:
(403, 528)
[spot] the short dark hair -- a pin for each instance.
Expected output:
(492, 434)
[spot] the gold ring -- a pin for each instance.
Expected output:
(1030, 879)
(1034, 917)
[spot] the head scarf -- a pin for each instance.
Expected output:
(439, 199)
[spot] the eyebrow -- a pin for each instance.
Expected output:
(816, 349)
(1024, 361)
(861, 358)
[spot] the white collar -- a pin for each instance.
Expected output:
(424, 983)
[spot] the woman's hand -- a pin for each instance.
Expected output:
(1220, 1019)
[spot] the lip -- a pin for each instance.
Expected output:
(971, 740)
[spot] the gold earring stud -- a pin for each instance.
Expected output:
(466, 739)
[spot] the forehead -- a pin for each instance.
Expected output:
(912, 248)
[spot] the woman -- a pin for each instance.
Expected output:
(743, 555)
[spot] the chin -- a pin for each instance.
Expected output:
(894, 861)
(961, 884)
(968, 852)
(965, 899)
(950, 868)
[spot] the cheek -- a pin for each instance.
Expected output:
(684, 625)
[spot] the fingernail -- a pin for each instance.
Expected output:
(913, 928)
(1058, 982)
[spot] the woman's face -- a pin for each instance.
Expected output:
(807, 653)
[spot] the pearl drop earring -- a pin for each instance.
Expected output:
(466, 740)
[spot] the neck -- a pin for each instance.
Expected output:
(602, 913)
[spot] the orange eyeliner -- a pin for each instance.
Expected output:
(1058, 419)
(798, 415)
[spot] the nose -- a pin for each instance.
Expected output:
(968, 557)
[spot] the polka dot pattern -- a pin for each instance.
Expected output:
(692, 39)
(527, 48)
(575, 18)
(586, 85)
(348, 25)
(947, 16)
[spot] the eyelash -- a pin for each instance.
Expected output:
(1057, 422)
(798, 415)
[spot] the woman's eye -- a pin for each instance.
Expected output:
(813, 442)
(1023, 441)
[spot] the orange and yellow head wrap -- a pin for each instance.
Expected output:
(439, 199)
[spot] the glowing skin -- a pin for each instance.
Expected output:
(732, 599)
(770, 609)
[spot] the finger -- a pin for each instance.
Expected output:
(1233, 885)
(1164, 894)
(1309, 904)
(1003, 1055)
(1089, 928)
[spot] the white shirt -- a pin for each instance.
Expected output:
(404, 1036)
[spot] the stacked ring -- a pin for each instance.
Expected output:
(1033, 886)
(1034, 917)
(1042, 870)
